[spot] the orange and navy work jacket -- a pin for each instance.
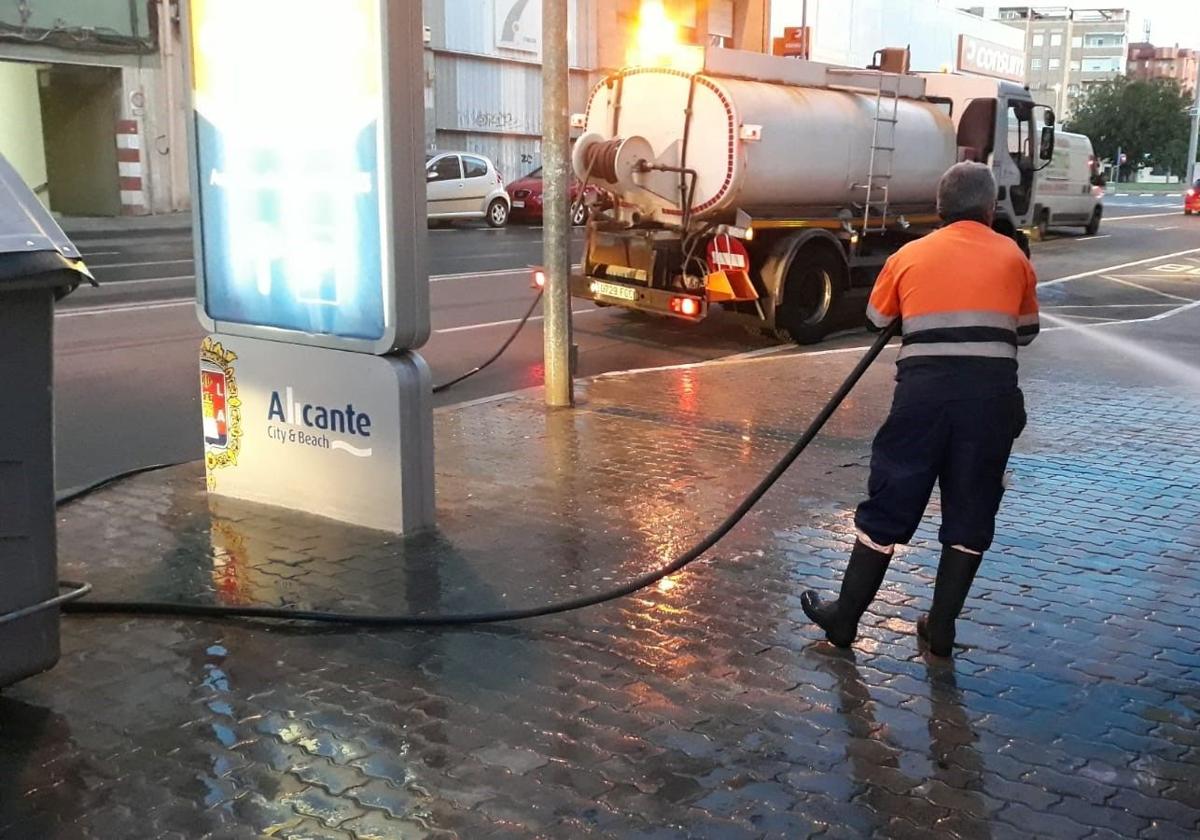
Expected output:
(962, 292)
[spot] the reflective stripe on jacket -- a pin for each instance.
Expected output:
(964, 291)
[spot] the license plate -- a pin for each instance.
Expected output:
(519, 205)
(612, 290)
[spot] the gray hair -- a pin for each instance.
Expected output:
(967, 191)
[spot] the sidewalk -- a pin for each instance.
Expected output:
(705, 707)
(85, 226)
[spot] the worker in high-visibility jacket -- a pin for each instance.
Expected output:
(966, 297)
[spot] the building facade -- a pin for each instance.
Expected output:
(1067, 50)
(483, 64)
(1147, 62)
(93, 104)
(850, 31)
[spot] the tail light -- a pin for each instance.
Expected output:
(685, 306)
(538, 280)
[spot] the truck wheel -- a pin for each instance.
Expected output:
(1093, 225)
(811, 294)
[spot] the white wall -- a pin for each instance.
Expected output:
(849, 31)
(21, 125)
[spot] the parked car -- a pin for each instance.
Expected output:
(1191, 200)
(1069, 191)
(526, 196)
(462, 185)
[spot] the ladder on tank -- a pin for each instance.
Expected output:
(883, 153)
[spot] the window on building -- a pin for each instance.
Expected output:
(1035, 64)
(1056, 39)
(1077, 42)
(473, 167)
(1103, 39)
(1055, 64)
(1075, 65)
(1039, 40)
(1101, 65)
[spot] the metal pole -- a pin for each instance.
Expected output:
(1191, 158)
(556, 243)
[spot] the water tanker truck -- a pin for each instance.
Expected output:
(775, 186)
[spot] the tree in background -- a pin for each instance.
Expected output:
(1146, 120)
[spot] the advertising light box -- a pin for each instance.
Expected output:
(308, 146)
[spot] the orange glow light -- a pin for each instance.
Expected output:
(658, 42)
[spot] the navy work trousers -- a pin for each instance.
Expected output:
(963, 445)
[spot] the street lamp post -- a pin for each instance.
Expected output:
(556, 255)
(1191, 158)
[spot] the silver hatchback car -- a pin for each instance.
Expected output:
(462, 185)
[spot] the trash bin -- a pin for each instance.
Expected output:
(38, 264)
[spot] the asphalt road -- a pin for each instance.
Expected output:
(126, 353)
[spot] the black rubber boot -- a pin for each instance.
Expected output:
(839, 619)
(956, 572)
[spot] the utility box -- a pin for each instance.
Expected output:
(38, 265)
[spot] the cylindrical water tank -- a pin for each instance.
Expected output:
(767, 147)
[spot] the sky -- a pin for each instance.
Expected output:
(1171, 21)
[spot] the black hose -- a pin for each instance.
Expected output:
(437, 389)
(160, 608)
(445, 386)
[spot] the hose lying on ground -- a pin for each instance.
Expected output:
(384, 620)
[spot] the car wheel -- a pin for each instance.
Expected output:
(811, 294)
(497, 214)
(1093, 226)
(579, 214)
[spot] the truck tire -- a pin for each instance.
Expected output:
(814, 286)
(1093, 225)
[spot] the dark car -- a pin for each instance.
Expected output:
(1191, 200)
(525, 195)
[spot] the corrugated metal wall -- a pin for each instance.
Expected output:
(486, 85)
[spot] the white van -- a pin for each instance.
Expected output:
(1069, 191)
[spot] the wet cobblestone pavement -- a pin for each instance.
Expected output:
(705, 707)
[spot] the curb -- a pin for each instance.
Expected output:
(125, 225)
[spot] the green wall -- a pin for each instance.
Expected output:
(21, 126)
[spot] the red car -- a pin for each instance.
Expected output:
(1191, 200)
(525, 195)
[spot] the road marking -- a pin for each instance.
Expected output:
(147, 280)
(1171, 227)
(500, 272)
(138, 264)
(1109, 268)
(1150, 289)
(125, 307)
(1089, 238)
(509, 322)
(99, 253)
(1108, 306)
(1138, 216)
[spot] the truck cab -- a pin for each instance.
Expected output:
(999, 124)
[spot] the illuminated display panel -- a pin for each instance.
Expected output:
(291, 173)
